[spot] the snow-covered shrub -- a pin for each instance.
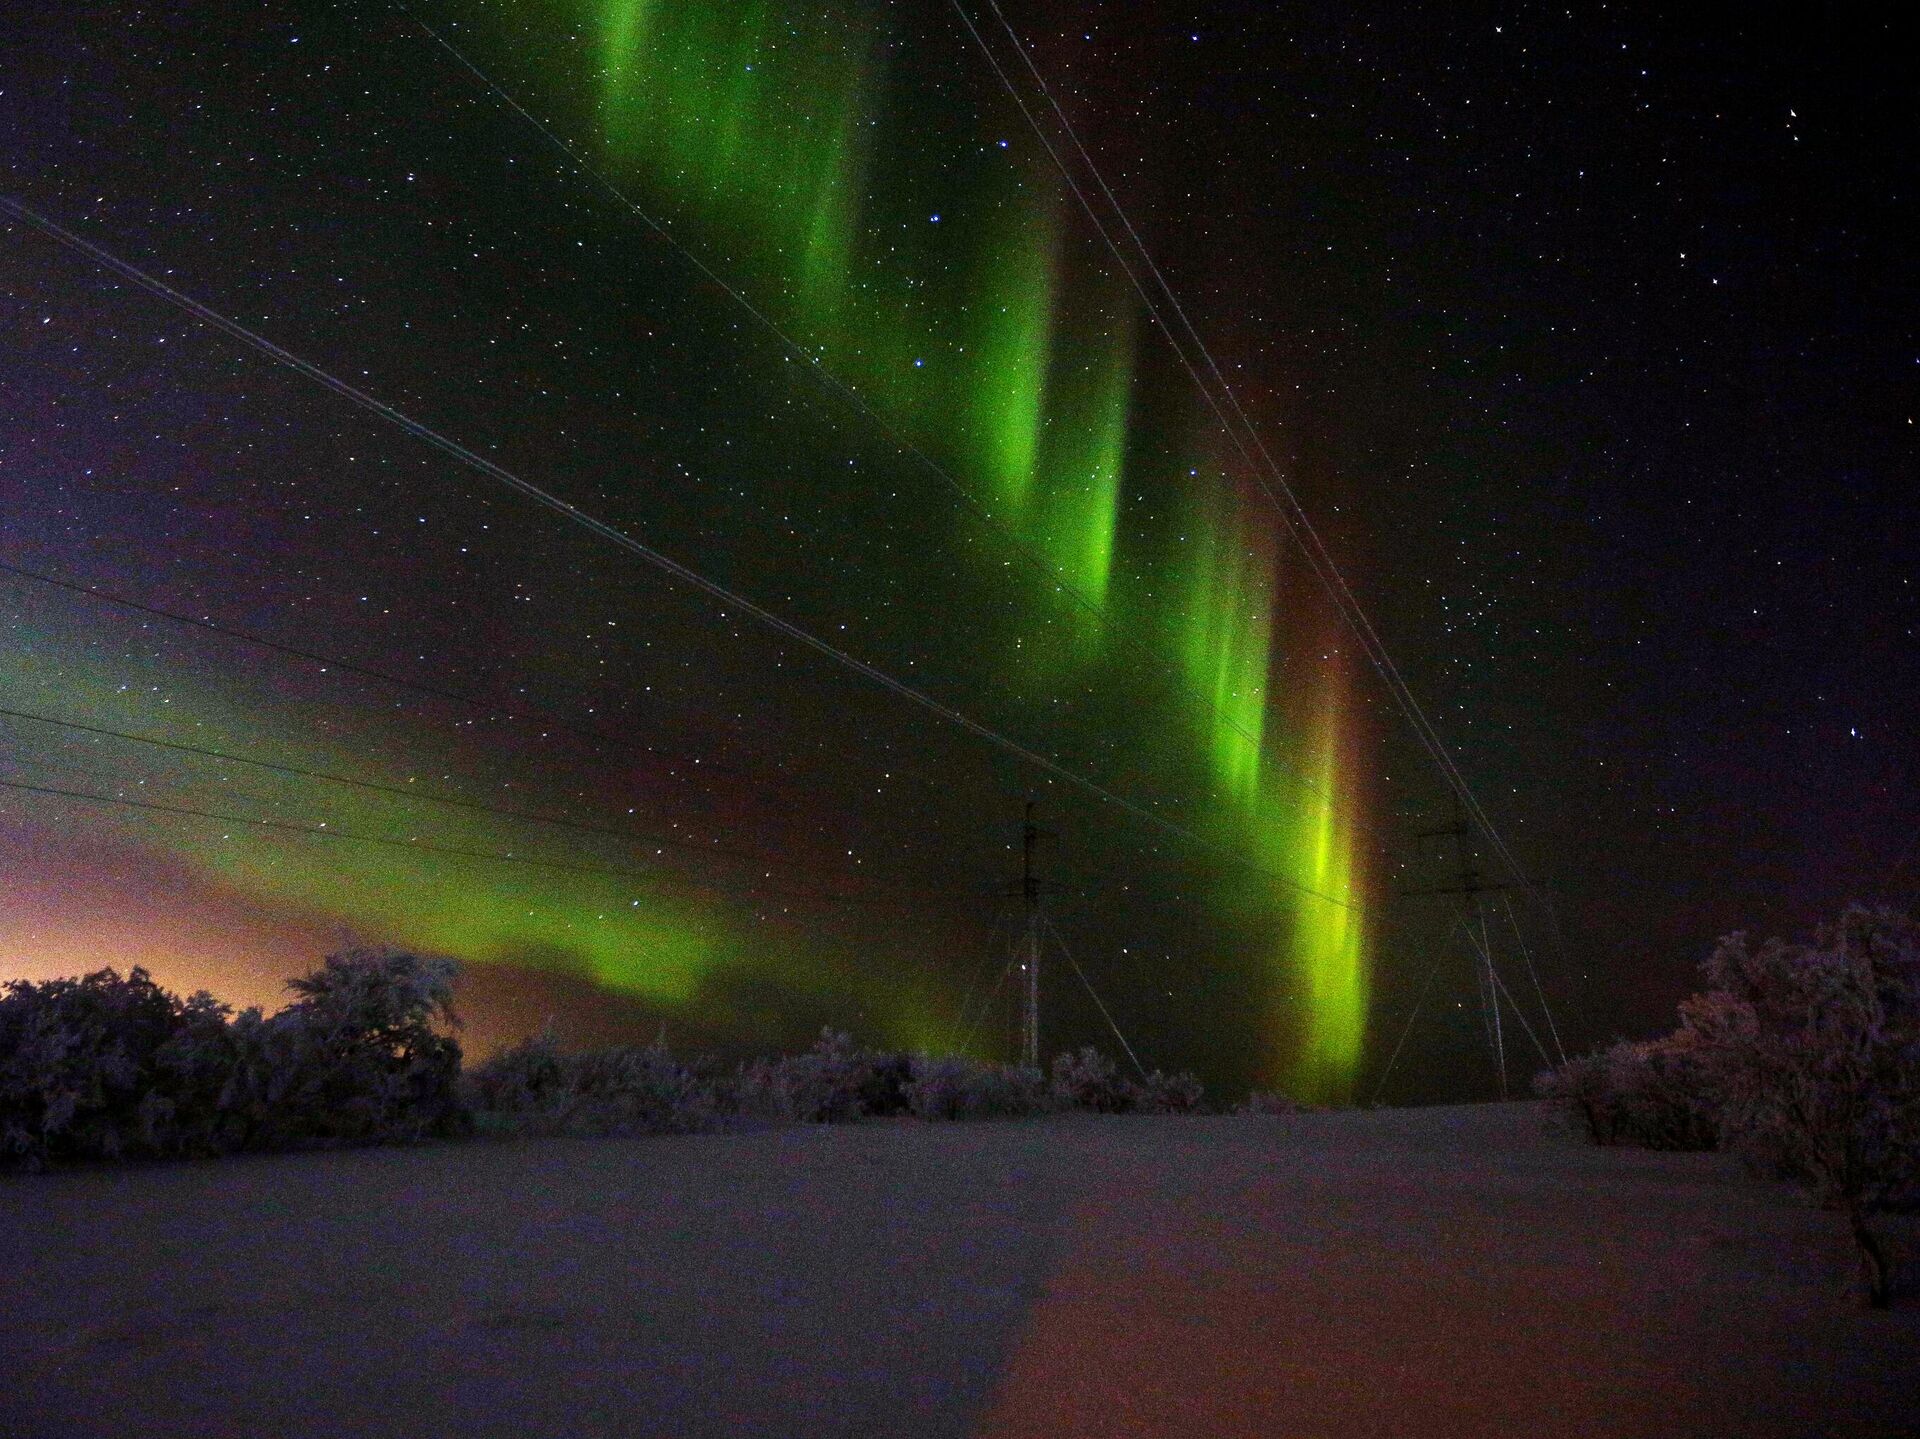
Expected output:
(1650, 1093)
(1804, 1057)
(954, 1087)
(1178, 1093)
(826, 1085)
(625, 1090)
(642, 1090)
(1087, 1079)
(103, 1066)
(1811, 1054)
(188, 1111)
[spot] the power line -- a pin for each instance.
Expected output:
(1433, 968)
(513, 711)
(743, 856)
(1293, 515)
(1497, 986)
(550, 501)
(1060, 940)
(600, 528)
(1526, 955)
(325, 829)
(1053, 573)
(403, 791)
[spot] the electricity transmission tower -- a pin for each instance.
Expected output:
(1038, 933)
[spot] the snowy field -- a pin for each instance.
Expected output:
(1420, 1272)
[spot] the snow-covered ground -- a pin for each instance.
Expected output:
(1420, 1272)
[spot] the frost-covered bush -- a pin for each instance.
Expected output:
(1178, 1093)
(1087, 1079)
(1650, 1093)
(829, 1084)
(954, 1087)
(626, 1090)
(529, 1079)
(106, 1066)
(189, 1110)
(1811, 1055)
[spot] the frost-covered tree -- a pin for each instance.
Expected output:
(107, 1066)
(534, 1086)
(1087, 1079)
(956, 1087)
(829, 1084)
(356, 1056)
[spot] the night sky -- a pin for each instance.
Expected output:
(1585, 336)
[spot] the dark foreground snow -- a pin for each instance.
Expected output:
(1420, 1273)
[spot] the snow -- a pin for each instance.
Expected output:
(1414, 1272)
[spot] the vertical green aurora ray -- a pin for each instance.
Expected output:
(751, 118)
(833, 216)
(1274, 741)
(1015, 348)
(1226, 632)
(1084, 453)
(1329, 940)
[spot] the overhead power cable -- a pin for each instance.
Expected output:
(1052, 573)
(1496, 987)
(1533, 974)
(618, 537)
(1433, 968)
(407, 792)
(326, 829)
(510, 711)
(1060, 940)
(1292, 514)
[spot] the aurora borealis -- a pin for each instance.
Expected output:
(809, 308)
(771, 121)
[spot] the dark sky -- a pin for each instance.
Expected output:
(1585, 335)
